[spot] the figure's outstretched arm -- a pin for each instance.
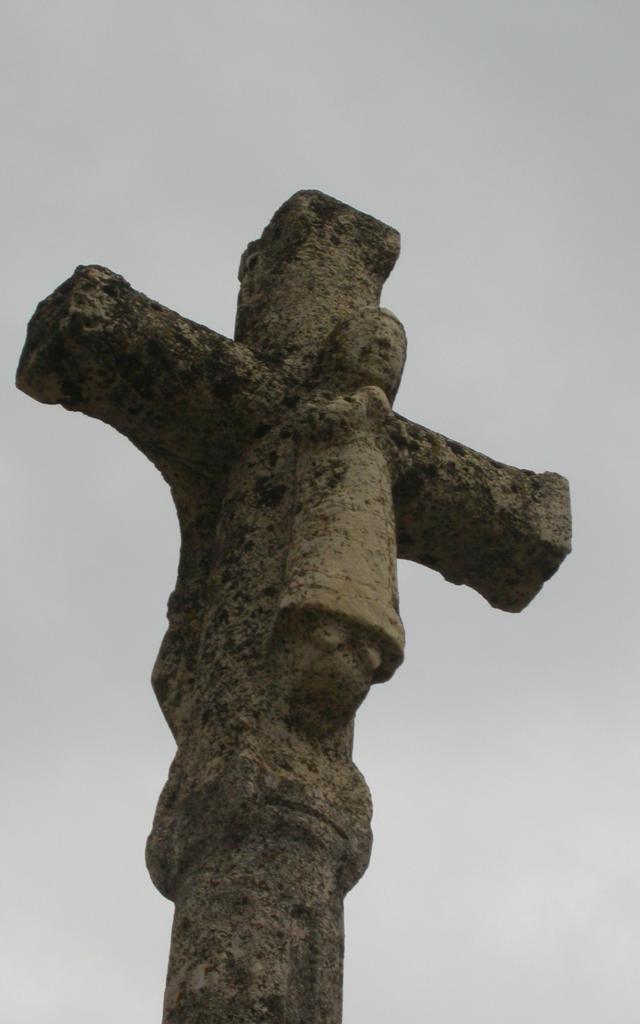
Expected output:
(178, 390)
(498, 529)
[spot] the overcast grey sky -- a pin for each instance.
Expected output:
(502, 139)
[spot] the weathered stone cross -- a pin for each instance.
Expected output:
(296, 487)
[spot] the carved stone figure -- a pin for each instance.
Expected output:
(297, 488)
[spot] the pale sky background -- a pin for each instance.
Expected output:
(502, 139)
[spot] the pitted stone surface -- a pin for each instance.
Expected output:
(296, 487)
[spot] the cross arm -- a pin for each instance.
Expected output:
(178, 390)
(500, 530)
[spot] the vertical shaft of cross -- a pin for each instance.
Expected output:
(265, 821)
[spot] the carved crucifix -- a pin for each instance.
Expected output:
(296, 487)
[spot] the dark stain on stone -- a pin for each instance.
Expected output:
(458, 449)
(410, 484)
(268, 493)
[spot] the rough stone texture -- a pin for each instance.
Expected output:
(296, 487)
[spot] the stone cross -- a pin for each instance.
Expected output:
(296, 488)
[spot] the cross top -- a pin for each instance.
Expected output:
(316, 264)
(297, 488)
